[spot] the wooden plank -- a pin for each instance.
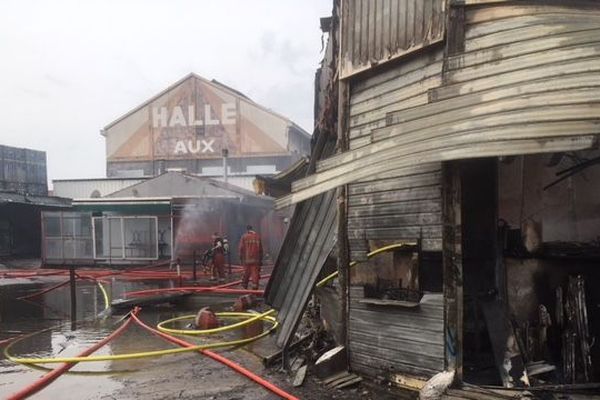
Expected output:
(452, 269)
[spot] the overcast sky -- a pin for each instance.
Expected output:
(68, 68)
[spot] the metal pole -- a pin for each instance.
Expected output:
(73, 297)
(194, 270)
(225, 153)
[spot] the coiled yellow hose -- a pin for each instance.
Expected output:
(193, 332)
(157, 353)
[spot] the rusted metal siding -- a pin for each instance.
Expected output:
(388, 340)
(527, 82)
(376, 31)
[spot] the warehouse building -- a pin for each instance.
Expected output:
(191, 124)
(198, 127)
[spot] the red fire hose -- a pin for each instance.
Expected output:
(217, 357)
(5, 341)
(234, 283)
(61, 369)
(44, 291)
(211, 289)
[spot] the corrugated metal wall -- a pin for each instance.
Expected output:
(376, 31)
(526, 83)
(401, 204)
(23, 171)
(405, 203)
(386, 340)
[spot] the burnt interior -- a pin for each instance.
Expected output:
(530, 267)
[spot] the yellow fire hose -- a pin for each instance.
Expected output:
(331, 276)
(192, 332)
(130, 356)
(250, 317)
(104, 295)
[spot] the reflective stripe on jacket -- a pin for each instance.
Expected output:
(251, 251)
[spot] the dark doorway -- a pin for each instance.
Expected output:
(479, 211)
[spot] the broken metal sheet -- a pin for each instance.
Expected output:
(307, 244)
(310, 240)
(528, 82)
(377, 31)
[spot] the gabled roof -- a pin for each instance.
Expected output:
(214, 83)
(174, 184)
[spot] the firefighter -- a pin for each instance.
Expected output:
(251, 256)
(218, 257)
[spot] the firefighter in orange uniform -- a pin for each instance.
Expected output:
(218, 257)
(251, 256)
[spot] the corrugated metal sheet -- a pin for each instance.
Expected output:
(23, 171)
(87, 188)
(405, 203)
(308, 243)
(389, 339)
(34, 200)
(376, 31)
(312, 231)
(528, 82)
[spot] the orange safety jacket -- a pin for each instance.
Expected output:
(251, 251)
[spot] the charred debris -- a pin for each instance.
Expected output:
(453, 184)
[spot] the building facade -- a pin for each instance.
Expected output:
(190, 125)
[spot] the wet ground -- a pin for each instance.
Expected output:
(50, 333)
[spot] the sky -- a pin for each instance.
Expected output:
(68, 68)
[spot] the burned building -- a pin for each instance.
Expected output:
(466, 140)
(192, 125)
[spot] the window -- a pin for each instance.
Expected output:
(67, 235)
(129, 238)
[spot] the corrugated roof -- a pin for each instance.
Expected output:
(43, 201)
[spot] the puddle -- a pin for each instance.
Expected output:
(47, 320)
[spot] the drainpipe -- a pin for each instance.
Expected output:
(225, 153)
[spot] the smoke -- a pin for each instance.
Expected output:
(194, 227)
